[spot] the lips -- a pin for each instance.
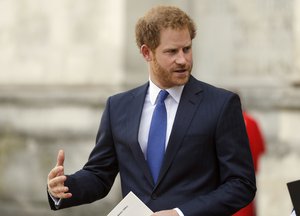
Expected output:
(181, 73)
(180, 70)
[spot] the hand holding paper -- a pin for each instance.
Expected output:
(166, 213)
(131, 205)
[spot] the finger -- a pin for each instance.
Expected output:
(60, 158)
(60, 192)
(56, 171)
(57, 181)
(56, 187)
(63, 195)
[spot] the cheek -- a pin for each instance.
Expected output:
(166, 64)
(190, 58)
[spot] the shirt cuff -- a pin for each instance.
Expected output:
(55, 200)
(293, 213)
(179, 211)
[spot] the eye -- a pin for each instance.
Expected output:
(187, 49)
(171, 51)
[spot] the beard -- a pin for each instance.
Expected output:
(177, 76)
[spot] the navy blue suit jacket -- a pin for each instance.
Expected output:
(207, 168)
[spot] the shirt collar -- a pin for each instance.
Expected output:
(154, 90)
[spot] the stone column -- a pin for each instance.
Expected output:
(296, 41)
(61, 42)
(59, 60)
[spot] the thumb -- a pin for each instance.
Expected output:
(60, 158)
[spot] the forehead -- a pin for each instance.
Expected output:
(175, 37)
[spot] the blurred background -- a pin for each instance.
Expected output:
(61, 59)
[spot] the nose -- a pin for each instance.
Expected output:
(181, 58)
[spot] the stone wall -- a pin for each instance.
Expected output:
(60, 60)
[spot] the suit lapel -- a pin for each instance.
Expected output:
(191, 97)
(135, 108)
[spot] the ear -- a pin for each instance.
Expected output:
(146, 52)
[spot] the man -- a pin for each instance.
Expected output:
(206, 168)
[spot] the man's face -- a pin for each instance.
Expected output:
(172, 60)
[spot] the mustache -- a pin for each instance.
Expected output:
(182, 68)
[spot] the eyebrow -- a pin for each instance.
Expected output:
(167, 49)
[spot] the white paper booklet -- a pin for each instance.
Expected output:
(129, 206)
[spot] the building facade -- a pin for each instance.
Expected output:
(60, 60)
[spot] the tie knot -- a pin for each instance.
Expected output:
(163, 94)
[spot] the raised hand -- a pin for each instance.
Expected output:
(56, 179)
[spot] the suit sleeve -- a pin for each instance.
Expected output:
(236, 173)
(96, 178)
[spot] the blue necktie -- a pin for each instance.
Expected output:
(157, 136)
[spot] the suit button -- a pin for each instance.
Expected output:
(154, 196)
